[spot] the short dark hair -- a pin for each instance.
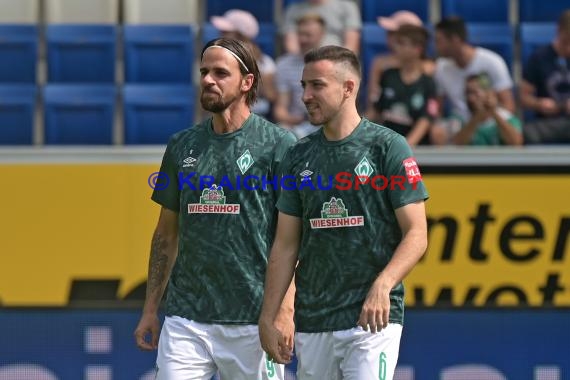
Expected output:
(335, 54)
(311, 17)
(564, 21)
(417, 34)
(453, 26)
(483, 79)
(244, 52)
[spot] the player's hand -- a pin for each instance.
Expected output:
(273, 343)
(548, 106)
(286, 325)
(490, 101)
(376, 309)
(148, 324)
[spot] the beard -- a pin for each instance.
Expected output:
(214, 103)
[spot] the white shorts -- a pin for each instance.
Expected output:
(352, 354)
(189, 350)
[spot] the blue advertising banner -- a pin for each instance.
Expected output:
(513, 344)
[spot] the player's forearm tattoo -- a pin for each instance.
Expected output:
(158, 263)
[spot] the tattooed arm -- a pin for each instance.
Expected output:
(163, 252)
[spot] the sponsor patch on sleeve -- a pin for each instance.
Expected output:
(412, 170)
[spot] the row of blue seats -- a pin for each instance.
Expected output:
(87, 53)
(471, 10)
(85, 114)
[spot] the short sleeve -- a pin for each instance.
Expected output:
(285, 143)
(290, 19)
(438, 77)
(166, 190)
(401, 167)
(267, 65)
(280, 79)
(516, 123)
(289, 201)
(430, 108)
(500, 75)
(380, 104)
(353, 18)
(531, 72)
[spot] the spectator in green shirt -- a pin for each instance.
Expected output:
(489, 124)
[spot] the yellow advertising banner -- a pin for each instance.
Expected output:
(65, 222)
(495, 240)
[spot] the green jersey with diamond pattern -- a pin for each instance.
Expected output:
(227, 218)
(346, 194)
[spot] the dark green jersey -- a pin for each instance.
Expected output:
(226, 218)
(346, 193)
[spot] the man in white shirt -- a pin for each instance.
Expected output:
(290, 111)
(457, 61)
(342, 18)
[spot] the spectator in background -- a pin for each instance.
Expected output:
(384, 62)
(456, 62)
(342, 19)
(545, 88)
(408, 102)
(489, 123)
(242, 25)
(290, 111)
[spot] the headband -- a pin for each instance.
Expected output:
(232, 53)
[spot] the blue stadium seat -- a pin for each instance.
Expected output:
(158, 53)
(372, 9)
(534, 35)
(166, 12)
(18, 53)
(373, 42)
(17, 109)
(79, 114)
(286, 3)
(154, 112)
(477, 11)
(81, 53)
(498, 37)
(265, 39)
(541, 10)
(261, 9)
